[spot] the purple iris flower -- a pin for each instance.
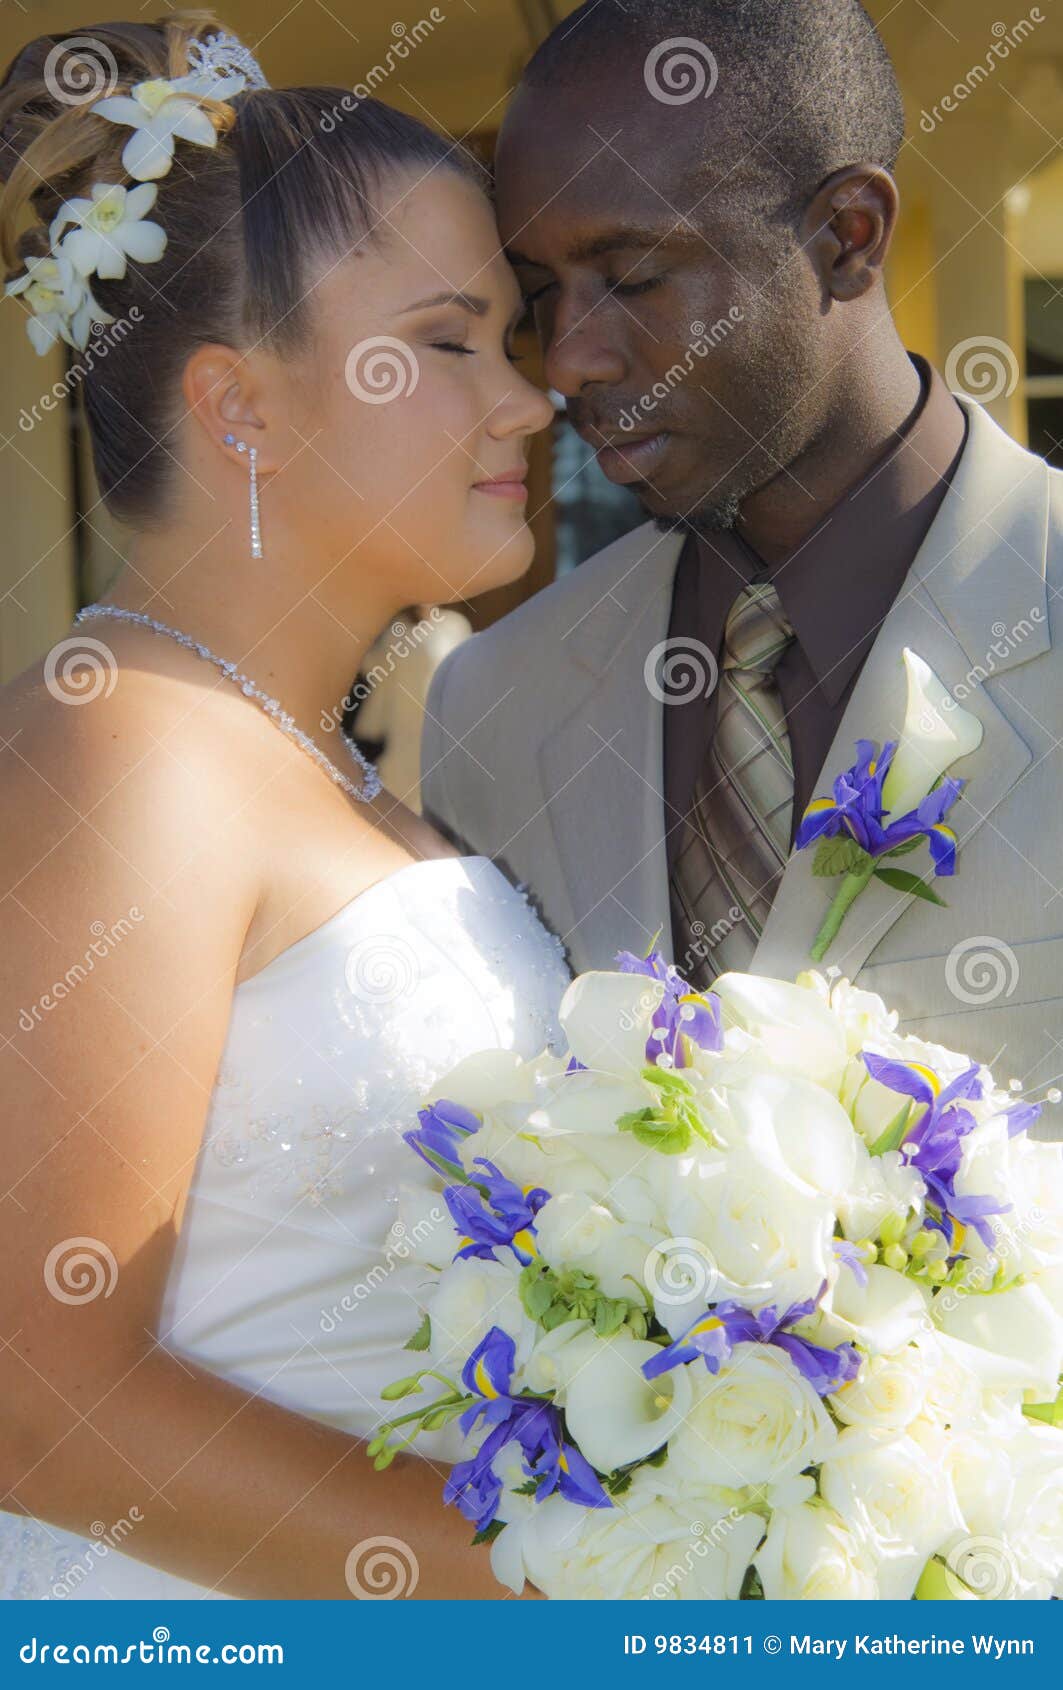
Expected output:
(498, 1215)
(444, 1126)
(530, 1421)
(934, 1145)
(714, 1335)
(681, 1013)
(856, 810)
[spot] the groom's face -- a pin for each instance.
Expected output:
(676, 310)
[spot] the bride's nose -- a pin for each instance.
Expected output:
(524, 409)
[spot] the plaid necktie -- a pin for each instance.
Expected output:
(738, 835)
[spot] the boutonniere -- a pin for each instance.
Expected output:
(891, 800)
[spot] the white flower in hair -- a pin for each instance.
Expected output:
(111, 228)
(162, 111)
(62, 305)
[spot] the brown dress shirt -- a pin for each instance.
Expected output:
(837, 589)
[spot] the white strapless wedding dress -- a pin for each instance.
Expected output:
(290, 1275)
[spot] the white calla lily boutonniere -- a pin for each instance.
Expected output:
(891, 800)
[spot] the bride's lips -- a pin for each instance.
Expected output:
(511, 484)
(632, 457)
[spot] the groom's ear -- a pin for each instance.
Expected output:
(848, 227)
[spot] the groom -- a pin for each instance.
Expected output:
(698, 198)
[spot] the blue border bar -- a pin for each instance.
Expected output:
(383, 1644)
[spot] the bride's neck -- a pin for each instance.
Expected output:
(299, 634)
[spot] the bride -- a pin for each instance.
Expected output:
(232, 963)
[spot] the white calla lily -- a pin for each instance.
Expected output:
(1014, 1338)
(607, 1019)
(936, 733)
(111, 227)
(614, 1413)
(882, 1316)
(161, 111)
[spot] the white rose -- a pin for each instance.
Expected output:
(798, 1033)
(472, 1296)
(896, 1498)
(756, 1422)
(811, 1555)
(881, 1186)
(661, 1541)
(575, 1231)
(888, 1392)
(1034, 1524)
(768, 1235)
(793, 1126)
(862, 1014)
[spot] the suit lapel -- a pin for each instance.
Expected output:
(603, 766)
(973, 606)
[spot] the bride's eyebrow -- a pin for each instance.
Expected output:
(467, 301)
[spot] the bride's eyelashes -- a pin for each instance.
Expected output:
(455, 346)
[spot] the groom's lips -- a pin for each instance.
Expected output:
(629, 457)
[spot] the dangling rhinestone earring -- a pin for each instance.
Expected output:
(252, 455)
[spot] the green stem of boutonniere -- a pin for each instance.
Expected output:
(846, 895)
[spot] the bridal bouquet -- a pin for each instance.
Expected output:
(746, 1295)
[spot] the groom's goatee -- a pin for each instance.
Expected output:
(707, 519)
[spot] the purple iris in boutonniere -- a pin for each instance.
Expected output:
(890, 801)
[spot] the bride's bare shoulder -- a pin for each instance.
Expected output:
(123, 770)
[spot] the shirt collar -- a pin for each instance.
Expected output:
(840, 583)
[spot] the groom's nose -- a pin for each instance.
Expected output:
(580, 352)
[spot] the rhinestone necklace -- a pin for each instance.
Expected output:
(364, 793)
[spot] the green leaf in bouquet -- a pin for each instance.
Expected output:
(901, 881)
(658, 1131)
(839, 856)
(609, 1316)
(536, 1289)
(658, 1458)
(530, 1487)
(421, 1338)
(617, 1483)
(1051, 1413)
(893, 1136)
(490, 1532)
(668, 1079)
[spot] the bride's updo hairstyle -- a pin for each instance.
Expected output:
(248, 222)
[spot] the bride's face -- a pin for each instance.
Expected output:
(410, 420)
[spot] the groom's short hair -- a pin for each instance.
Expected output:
(809, 83)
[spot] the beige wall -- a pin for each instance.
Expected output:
(966, 243)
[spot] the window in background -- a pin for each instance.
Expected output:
(1043, 385)
(589, 511)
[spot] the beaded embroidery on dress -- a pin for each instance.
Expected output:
(292, 1275)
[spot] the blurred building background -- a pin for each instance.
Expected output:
(976, 277)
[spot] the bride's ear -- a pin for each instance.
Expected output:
(222, 395)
